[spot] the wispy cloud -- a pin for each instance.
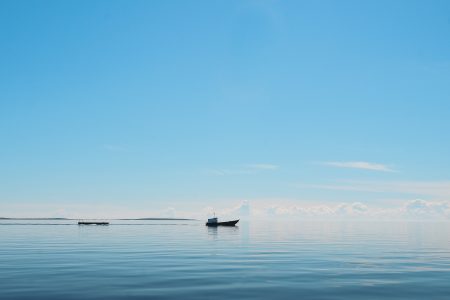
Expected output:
(439, 189)
(363, 165)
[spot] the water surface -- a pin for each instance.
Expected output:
(187, 260)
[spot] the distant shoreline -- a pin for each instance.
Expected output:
(128, 219)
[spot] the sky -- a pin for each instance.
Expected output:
(299, 109)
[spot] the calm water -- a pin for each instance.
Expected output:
(187, 260)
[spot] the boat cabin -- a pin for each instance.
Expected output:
(212, 220)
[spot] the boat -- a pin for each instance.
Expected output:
(213, 222)
(92, 223)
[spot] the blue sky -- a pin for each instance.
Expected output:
(144, 107)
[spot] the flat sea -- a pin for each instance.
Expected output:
(255, 260)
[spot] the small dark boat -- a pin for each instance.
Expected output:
(212, 222)
(92, 223)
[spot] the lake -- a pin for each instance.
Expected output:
(255, 260)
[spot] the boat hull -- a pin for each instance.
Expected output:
(228, 223)
(93, 223)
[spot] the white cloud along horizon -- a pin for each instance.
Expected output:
(263, 209)
(415, 209)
